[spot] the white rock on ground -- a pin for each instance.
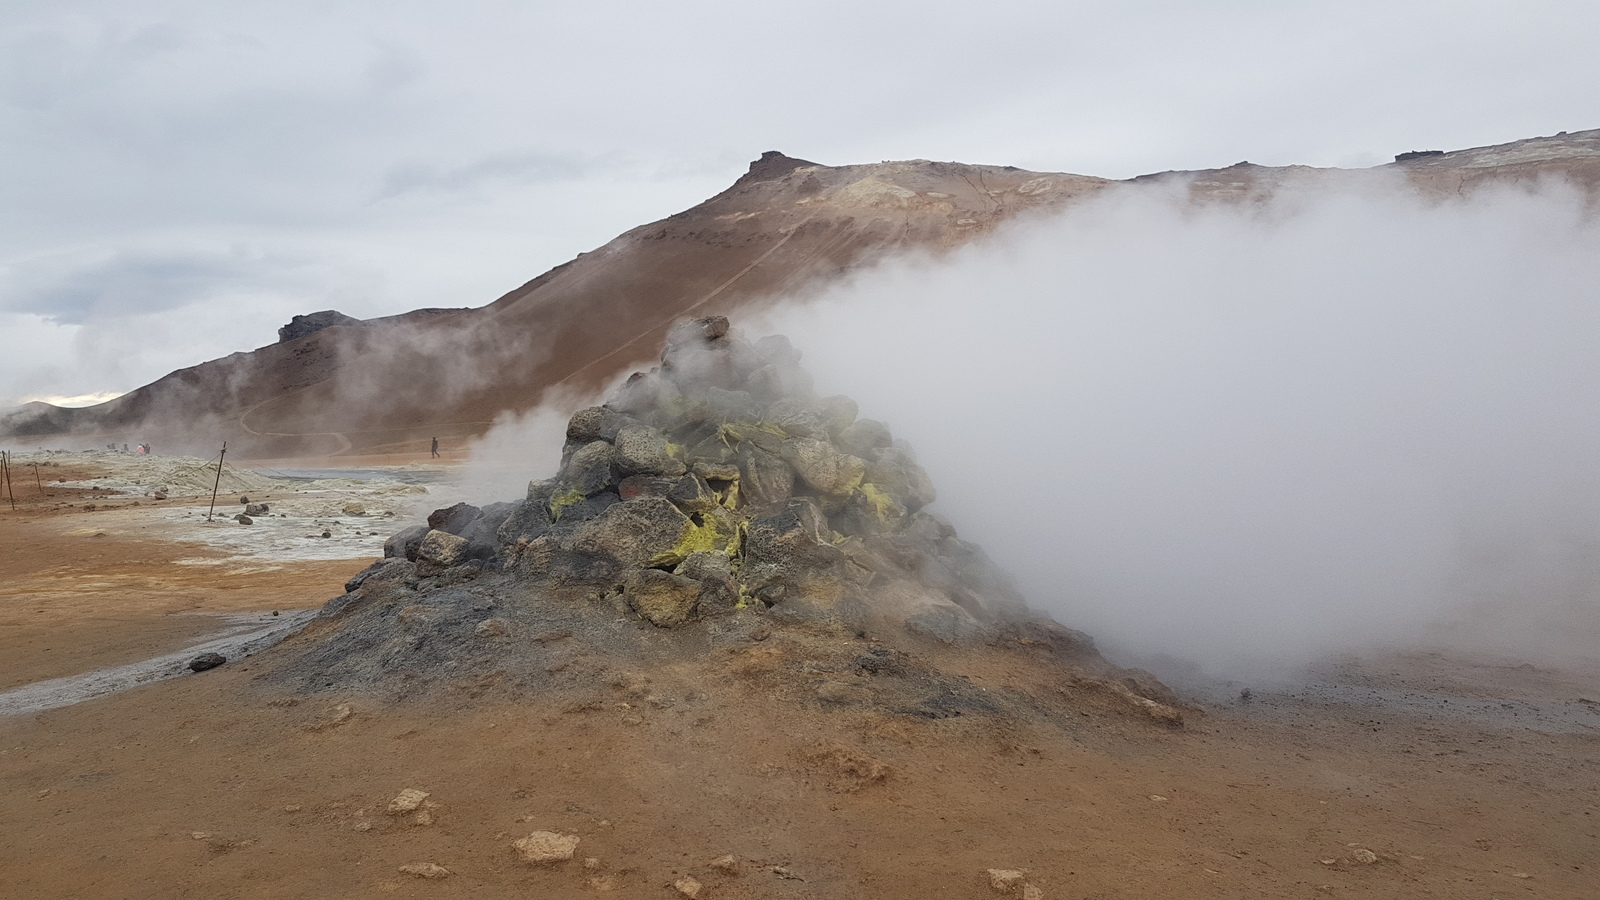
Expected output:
(546, 847)
(688, 887)
(1004, 880)
(408, 800)
(425, 870)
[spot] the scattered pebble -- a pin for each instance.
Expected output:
(726, 864)
(425, 870)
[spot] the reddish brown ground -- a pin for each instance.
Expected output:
(213, 786)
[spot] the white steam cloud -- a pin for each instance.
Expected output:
(1242, 436)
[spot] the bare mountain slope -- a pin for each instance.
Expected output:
(391, 383)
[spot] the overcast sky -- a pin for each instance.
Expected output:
(177, 179)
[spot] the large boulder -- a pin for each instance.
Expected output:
(764, 477)
(454, 519)
(403, 544)
(787, 549)
(897, 473)
(442, 549)
(643, 450)
(483, 535)
(662, 598)
(591, 470)
(639, 533)
(825, 469)
(714, 570)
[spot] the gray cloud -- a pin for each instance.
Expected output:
(502, 141)
(75, 291)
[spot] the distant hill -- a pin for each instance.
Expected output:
(337, 385)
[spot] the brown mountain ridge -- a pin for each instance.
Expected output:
(335, 385)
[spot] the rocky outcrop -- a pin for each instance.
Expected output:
(311, 323)
(719, 481)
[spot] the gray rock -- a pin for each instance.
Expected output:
(483, 541)
(206, 661)
(692, 494)
(584, 426)
(798, 418)
(714, 570)
(568, 517)
(243, 519)
(454, 519)
(528, 521)
(822, 467)
(442, 549)
(947, 623)
(764, 477)
(386, 569)
(255, 509)
(643, 392)
(716, 471)
(404, 544)
(663, 599)
(839, 413)
(864, 436)
(899, 475)
(590, 471)
(636, 486)
(638, 533)
(643, 450)
(787, 548)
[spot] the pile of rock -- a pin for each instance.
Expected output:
(719, 481)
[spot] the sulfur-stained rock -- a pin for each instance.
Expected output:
(822, 467)
(692, 494)
(898, 474)
(644, 450)
(638, 533)
(764, 478)
(788, 548)
(662, 598)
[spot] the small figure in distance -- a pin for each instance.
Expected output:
(435, 450)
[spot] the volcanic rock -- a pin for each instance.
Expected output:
(442, 549)
(206, 661)
(454, 519)
(662, 598)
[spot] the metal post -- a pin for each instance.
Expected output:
(36, 482)
(5, 464)
(218, 482)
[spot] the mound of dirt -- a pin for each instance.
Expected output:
(715, 511)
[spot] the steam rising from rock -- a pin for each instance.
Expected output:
(1241, 437)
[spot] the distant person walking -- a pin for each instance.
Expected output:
(435, 449)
